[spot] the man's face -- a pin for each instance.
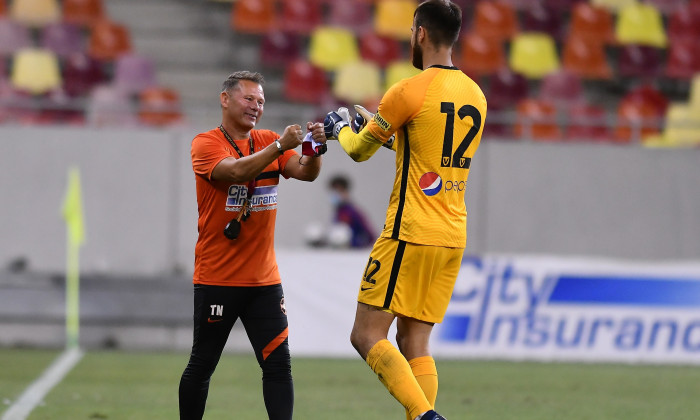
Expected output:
(244, 104)
(416, 50)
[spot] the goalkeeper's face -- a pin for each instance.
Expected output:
(244, 104)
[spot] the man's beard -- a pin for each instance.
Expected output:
(417, 56)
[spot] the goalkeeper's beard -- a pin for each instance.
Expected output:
(417, 56)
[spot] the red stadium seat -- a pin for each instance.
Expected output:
(536, 119)
(495, 19)
(304, 82)
(683, 59)
(109, 40)
(563, 6)
(639, 61)
(379, 49)
(279, 48)
(586, 58)
(82, 12)
(541, 17)
(563, 88)
(81, 73)
(481, 55)
(506, 89)
(159, 106)
(3, 8)
(683, 23)
(635, 121)
(649, 95)
(253, 16)
(591, 22)
(587, 122)
(299, 16)
(354, 15)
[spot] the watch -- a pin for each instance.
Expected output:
(279, 146)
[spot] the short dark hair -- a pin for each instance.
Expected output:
(340, 181)
(442, 19)
(235, 77)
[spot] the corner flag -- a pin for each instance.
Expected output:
(75, 237)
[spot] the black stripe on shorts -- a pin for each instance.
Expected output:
(394, 274)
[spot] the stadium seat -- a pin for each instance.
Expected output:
(540, 17)
(640, 23)
(480, 55)
(35, 71)
(536, 119)
(591, 22)
(354, 15)
(35, 12)
(613, 5)
(586, 58)
(683, 59)
(331, 47)
(682, 126)
(81, 73)
(14, 36)
(159, 106)
(380, 49)
(16, 106)
(279, 48)
(253, 16)
(667, 6)
(109, 40)
(401, 69)
(134, 73)
(563, 89)
(59, 108)
(109, 106)
(534, 55)
(682, 23)
(562, 6)
(639, 61)
(299, 16)
(3, 8)
(82, 12)
(649, 95)
(394, 18)
(357, 82)
(695, 93)
(506, 89)
(304, 82)
(495, 19)
(636, 120)
(62, 38)
(587, 122)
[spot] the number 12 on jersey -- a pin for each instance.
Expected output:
(458, 160)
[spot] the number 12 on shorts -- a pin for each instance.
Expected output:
(371, 269)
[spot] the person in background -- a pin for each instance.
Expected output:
(348, 214)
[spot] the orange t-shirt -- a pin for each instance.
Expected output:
(250, 259)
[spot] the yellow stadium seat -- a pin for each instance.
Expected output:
(35, 71)
(35, 12)
(332, 47)
(394, 18)
(357, 82)
(398, 70)
(682, 126)
(613, 5)
(640, 23)
(534, 55)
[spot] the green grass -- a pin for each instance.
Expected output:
(115, 385)
(18, 369)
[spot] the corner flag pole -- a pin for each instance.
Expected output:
(75, 237)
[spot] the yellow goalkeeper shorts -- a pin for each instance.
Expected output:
(410, 280)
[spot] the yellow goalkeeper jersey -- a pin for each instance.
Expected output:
(438, 117)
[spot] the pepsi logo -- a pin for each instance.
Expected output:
(430, 183)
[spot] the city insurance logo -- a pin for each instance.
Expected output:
(519, 307)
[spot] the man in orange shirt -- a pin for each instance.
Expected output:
(237, 172)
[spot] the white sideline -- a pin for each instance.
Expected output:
(33, 395)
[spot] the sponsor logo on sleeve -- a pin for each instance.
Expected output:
(381, 122)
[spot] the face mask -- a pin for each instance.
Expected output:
(334, 198)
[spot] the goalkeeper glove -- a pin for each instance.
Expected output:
(362, 117)
(335, 121)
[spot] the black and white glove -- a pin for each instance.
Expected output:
(335, 121)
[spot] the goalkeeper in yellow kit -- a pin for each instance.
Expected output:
(437, 118)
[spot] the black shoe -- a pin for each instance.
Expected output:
(432, 415)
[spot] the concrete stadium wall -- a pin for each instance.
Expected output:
(526, 198)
